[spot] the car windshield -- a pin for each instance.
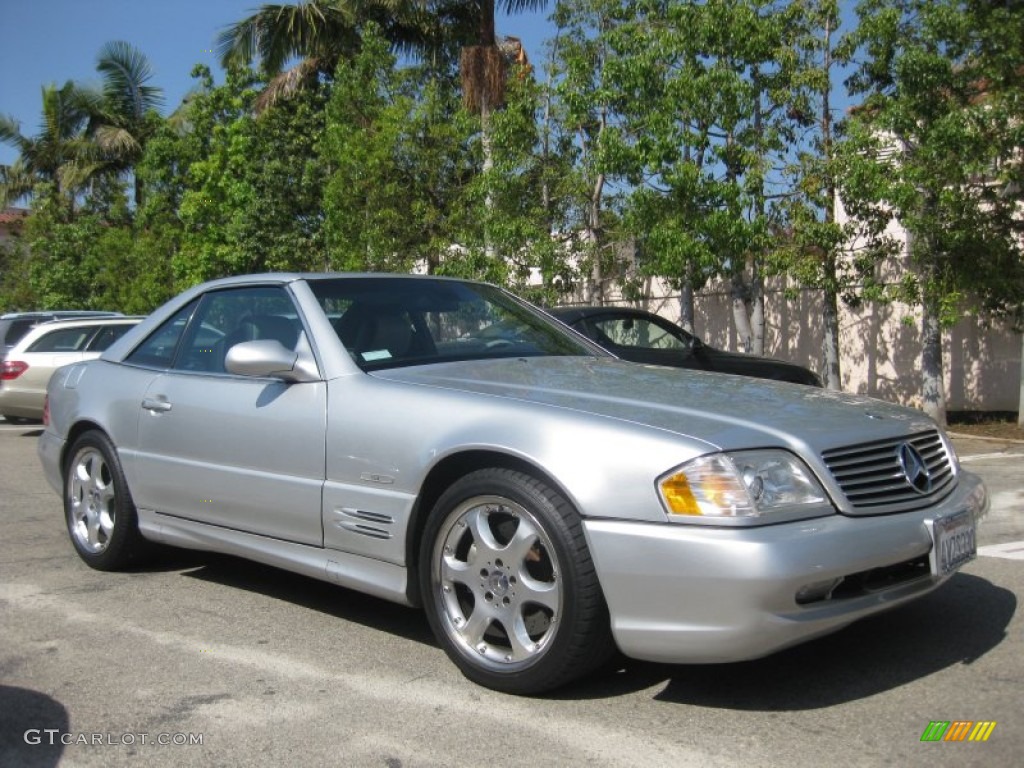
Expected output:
(393, 322)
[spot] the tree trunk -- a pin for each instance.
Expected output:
(739, 294)
(1020, 399)
(756, 310)
(488, 149)
(932, 385)
(756, 301)
(830, 340)
(832, 372)
(486, 31)
(686, 301)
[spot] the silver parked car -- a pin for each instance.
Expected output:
(440, 443)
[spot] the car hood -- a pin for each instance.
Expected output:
(729, 412)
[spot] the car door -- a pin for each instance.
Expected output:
(234, 451)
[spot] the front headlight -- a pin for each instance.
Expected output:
(743, 487)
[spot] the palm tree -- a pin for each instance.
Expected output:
(318, 34)
(482, 61)
(86, 132)
(123, 112)
(57, 155)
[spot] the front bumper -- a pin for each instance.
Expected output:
(694, 594)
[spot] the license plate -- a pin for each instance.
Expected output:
(953, 543)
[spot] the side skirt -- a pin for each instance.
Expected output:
(362, 574)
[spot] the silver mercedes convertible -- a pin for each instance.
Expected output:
(440, 443)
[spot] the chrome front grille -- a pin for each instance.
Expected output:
(887, 476)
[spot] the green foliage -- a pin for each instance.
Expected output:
(16, 293)
(700, 104)
(936, 146)
(409, 187)
(396, 150)
(246, 188)
(501, 223)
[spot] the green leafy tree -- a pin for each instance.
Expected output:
(396, 147)
(247, 188)
(583, 118)
(935, 145)
(819, 255)
(502, 223)
(703, 93)
(79, 262)
(16, 291)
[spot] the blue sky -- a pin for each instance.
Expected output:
(52, 41)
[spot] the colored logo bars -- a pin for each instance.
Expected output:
(958, 730)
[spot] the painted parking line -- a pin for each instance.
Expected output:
(1010, 550)
(989, 456)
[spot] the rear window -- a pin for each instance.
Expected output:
(12, 331)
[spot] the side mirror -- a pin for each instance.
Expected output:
(267, 358)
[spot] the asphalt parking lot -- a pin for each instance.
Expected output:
(201, 659)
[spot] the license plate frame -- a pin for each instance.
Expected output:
(954, 543)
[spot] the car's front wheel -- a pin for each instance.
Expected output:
(100, 514)
(509, 586)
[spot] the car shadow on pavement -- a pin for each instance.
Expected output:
(31, 728)
(321, 596)
(957, 624)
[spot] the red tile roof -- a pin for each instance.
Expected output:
(13, 215)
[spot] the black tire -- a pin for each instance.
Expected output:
(98, 507)
(509, 586)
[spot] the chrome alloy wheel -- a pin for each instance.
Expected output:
(91, 500)
(499, 584)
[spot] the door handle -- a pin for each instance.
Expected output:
(156, 406)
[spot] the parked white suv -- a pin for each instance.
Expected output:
(28, 365)
(14, 325)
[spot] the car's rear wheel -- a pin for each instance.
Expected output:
(100, 514)
(509, 586)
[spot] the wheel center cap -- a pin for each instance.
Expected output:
(497, 582)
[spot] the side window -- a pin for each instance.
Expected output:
(107, 335)
(157, 351)
(62, 340)
(227, 318)
(637, 332)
